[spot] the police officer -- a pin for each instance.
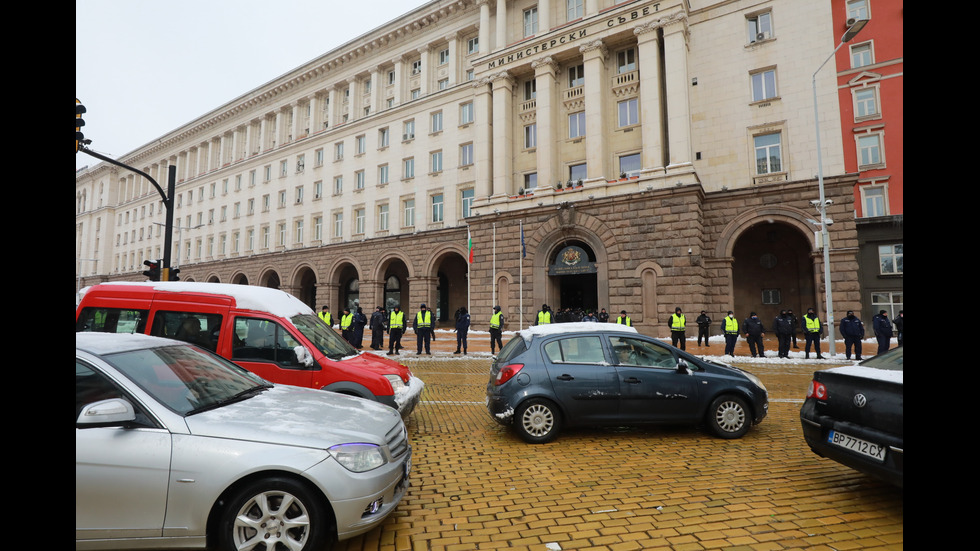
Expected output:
(346, 322)
(623, 319)
(396, 326)
(423, 330)
(704, 327)
(496, 323)
(678, 328)
(729, 328)
(784, 333)
(883, 330)
(325, 315)
(754, 333)
(812, 331)
(377, 325)
(462, 329)
(603, 316)
(544, 315)
(852, 329)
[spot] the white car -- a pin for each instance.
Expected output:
(177, 447)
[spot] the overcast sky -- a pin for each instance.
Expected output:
(144, 68)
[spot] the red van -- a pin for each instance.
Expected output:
(267, 331)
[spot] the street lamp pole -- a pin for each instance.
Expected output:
(822, 207)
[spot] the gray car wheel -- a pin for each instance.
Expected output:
(273, 514)
(729, 417)
(537, 421)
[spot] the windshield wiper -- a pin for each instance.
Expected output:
(243, 395)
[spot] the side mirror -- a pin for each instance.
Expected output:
(303, 356)
(114, 411)
(682, 366)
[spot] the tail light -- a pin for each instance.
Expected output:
(817, 390)
(507, 373)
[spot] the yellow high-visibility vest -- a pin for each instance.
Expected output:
(677, 323)
(731, 326)
(396, 320)
(495, 321)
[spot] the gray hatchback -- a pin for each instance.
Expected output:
(597, 374)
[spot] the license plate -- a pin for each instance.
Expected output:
(863, 447)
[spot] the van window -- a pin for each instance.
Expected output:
(195, 328)
(263, 340)
(112, 320)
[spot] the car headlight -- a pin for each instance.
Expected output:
(755, 380)
(358, 458)
(396, 382)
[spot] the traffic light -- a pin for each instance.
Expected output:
(79, 123)
(153, 271)
(173, 274)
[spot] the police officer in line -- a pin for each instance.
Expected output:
(346, 325)
(623, 319)
(678, 328)
(325, 315)
(784, 333)
(729, 328)
(812, 332)
(396, 326)
(377, 325)
(883, 330)
(852, 328)
(496, 325)
(704, 327)
(544, 315)
(462, 329)
(755, 332)
(423, 330)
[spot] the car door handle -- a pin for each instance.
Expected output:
(632, 380)
(565, 377)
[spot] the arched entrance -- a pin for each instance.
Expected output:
(306, 281)
(772, 271)
(451, 292)
(572, 273)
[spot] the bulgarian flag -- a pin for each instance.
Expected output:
(469, 244)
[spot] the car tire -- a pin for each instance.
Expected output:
(537, 421)
(279, 513)
(729, 417)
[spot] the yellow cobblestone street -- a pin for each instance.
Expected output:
(475, 485)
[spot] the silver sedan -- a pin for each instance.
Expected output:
(176, 447)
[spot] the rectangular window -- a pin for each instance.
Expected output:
(530, 136)
(466, 197)
(384, 137)
(858, 9)
(338, 224)
(409, 130)
(382, 174)
(466, 154)
(358, 221)
(299, 231)
(892, 259)
(771, 296)
(383, 217)
(861, 55)
(416, 93)
(417, 66)
(576, 76)
(873, 201)
(577, 172)
(530, 21)
(530, 89)
(318, 189)
(408, 168)
(338, 185)
(317, 228)
(338, 151)
(361, 144)
(437, 208)
(865, 103)
(391, 78)
(893, 302)
(435, 122)
(574, 9)
(473, 45)
(629, 165)
(869, 151)
(444, 56)
(763, 85)
(576, 125)
(299, 195)
(359, 179)
(625, 61)
(436, 164)
(318, 157)
(530, 181)
(466, 113)
(629, 112)
(408, 213)
(443, 83)
(768, 158)
(759, 27)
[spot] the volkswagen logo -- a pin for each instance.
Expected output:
(860, 400)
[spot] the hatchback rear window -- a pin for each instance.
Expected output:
(514, 347)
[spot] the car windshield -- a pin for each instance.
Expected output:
(186, 379)
(325, 339)
(891, 360)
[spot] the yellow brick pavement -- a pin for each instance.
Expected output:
(477, 486)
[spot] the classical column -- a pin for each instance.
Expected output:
(424, 71)
(596, 83)
(377, 89)
(296, 129)
(651, 132)
(399, 63)
(484, 36)
(501, 25)
(546, 83)
(453, 45)
(353, 99)
(331, 107)
(545, 21)
(483, 139)
(678, 88)
(503, 133)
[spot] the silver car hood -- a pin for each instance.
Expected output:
(297, 416)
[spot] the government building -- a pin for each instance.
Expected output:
(585, 154)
